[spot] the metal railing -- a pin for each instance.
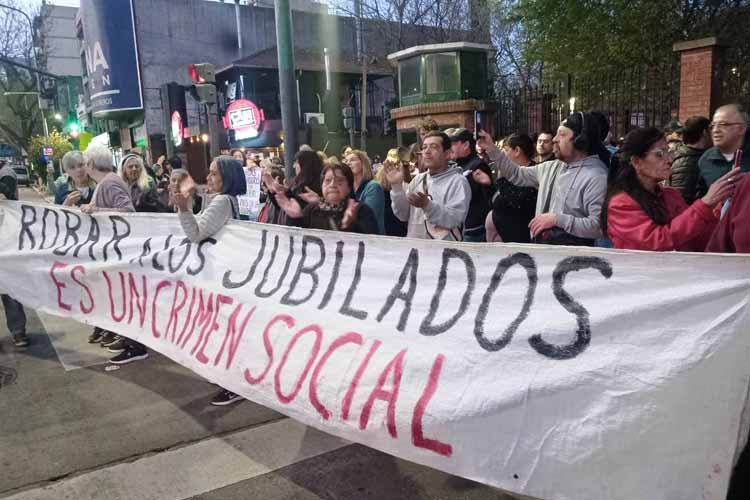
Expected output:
(632, 97)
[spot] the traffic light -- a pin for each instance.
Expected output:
(204, 90)
(202, 73)
(204, 93)
(73, 127)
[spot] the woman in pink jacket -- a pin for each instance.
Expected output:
(640, 213)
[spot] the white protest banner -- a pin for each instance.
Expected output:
(561, 373)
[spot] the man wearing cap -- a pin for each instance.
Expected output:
(571, 188)
(463, 146)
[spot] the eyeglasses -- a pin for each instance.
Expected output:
(723, 125)
(339, 180)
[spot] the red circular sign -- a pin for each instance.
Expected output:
(245, 118)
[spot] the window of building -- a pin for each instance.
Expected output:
(410, 77)
(441, 72)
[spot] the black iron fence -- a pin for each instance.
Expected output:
(734, 76)
(633, 97)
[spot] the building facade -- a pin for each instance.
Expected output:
(169, 35)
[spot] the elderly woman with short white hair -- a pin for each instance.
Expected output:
(78, 189)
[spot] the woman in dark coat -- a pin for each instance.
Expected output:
(338, 210)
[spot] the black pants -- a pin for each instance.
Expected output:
(739, 485)
(15, 316)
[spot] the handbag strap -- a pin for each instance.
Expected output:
(548, 201)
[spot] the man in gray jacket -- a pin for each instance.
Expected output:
(571, 187)
(436, 201)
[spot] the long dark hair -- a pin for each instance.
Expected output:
(310, 169)
(623, 178)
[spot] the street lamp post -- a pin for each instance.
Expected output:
(36, 66)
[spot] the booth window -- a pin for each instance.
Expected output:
(441, 72)
(410, 77)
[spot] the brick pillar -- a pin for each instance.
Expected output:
(700, 88)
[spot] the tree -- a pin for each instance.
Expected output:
(594, 37)
(404, 23)
(57, 141)
(20, 116)
(511, 38)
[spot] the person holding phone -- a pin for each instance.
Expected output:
(728, 129)
(641, 214)
(78, 189)
(463, 145)
(571, 187)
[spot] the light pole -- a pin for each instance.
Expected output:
(36, 66)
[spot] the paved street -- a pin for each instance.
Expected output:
(71, 429)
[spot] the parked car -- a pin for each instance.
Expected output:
(22, 175)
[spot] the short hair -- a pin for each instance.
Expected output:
(100, 157)
(522, 141)
(366, 164)
(277, 172)
(740, 111)
(544, 132)
(71, 158)
(429, 124)
(344, 169)
(175, 162)
(673, 127)
(443, 136)
(179, 173)
(694, 128)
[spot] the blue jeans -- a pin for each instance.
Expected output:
(475, 235)
(15, 317)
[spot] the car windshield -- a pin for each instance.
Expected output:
(21, 170)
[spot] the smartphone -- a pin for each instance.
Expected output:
(477, 123)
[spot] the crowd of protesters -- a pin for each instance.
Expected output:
(684, 189)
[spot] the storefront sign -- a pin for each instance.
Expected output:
(114, 79)
(244, 118)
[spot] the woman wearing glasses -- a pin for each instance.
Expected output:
(338, 210)
(641, 214)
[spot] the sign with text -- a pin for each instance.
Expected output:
(111, 52)
(560, 373)
(249, 203)
(244, 118)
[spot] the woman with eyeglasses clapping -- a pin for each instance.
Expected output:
(640, 213)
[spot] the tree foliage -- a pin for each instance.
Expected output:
(592, 37)
(57, 141)
(20, 116)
